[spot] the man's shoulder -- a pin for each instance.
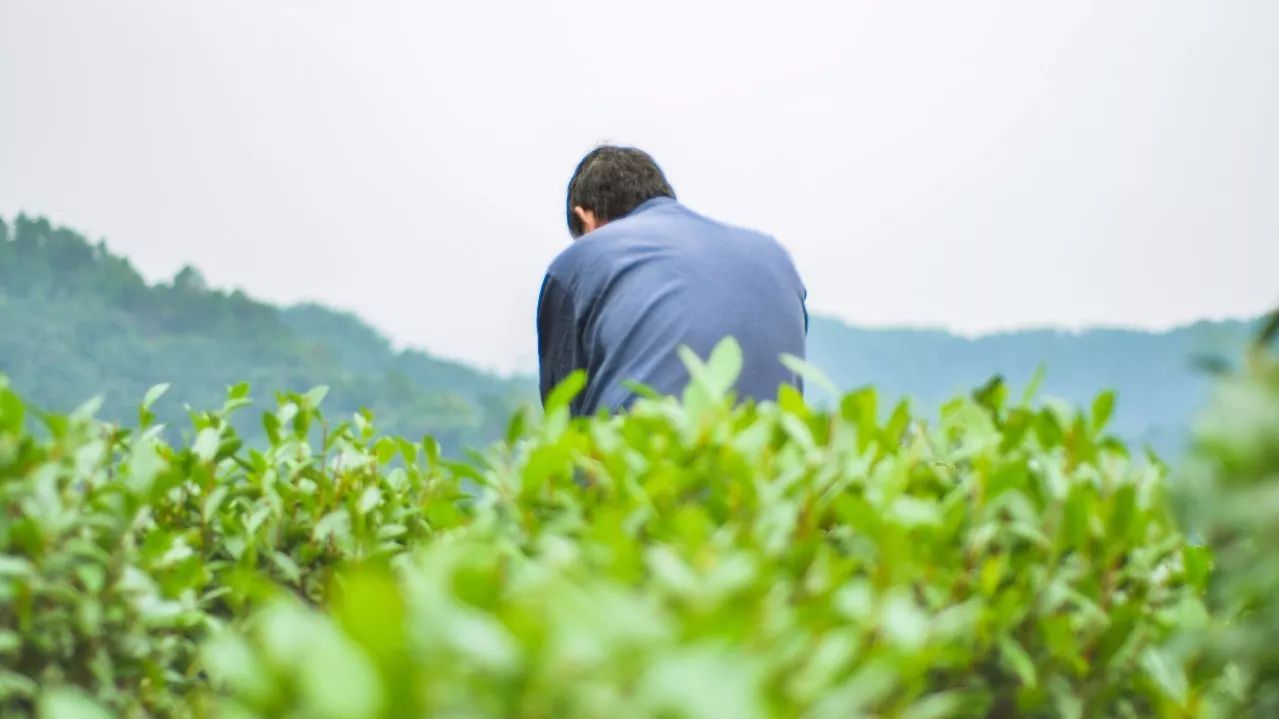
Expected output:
(672, 224)
(594, 248)
(756, 243)
(584, 252)
(736, 231)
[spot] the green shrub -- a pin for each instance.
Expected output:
(121, 553)
(687, 559)
(1231, 496)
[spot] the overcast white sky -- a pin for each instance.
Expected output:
(978, 165)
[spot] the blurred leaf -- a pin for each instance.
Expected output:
(1166, 674)
(206, 444)
(560, 397)
(811, 374)
(11, 411)
(370, 498)
(1019, 660)
(315, 396)
(993, 394)
(724, 364)
(1102, 408)
(1036, 382)
(69, 703)
(1270, 330)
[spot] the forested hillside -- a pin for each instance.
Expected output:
(1160, 378)
(78, 321)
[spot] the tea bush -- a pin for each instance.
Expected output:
(120, 553)
(691, 558)
(1231, 496)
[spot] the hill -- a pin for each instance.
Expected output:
(1160, 378)
(78, 321)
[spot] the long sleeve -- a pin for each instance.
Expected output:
(557, 349)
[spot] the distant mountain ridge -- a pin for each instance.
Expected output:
(78, 321)
(1160, 377)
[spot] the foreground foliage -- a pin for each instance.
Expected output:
(689, 559)
(1231, 496)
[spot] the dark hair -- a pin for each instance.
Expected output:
(611, 181)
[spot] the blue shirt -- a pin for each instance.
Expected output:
(621, 300)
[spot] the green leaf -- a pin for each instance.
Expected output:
(288, 568)
(810, 373)
(700, 683)
(334, 525)
(271, 423)
(939, 706)
(724, 365)
(904, 622)
(1102, 408)
(89, 409)
(1075, 516)
(145, 416)
(799, 432)
(214, 501)
(1269, 330)
(386, 449)
(16, 686)
(993, 394)
(431, 447)
(154, 394)
(10, 641)
(641, 390)
(792, 402)
(861, 409)
(560, 397)
(315, 396)
(372, 610)
(711, 381)
(1198, 563)
(11, 566)
(370, 498)
(11, 411)
(1166, 674)
(408, 450)
(1018, 660)
(1032, 389)
(912, 512)
(1123, 513)
(1048, 429)
(69, 703)
(516, 427)
(898, 422)
(232, 662)
(206, 444)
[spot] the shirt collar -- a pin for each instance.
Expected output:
(650, 204)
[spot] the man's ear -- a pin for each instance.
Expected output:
(587, 217)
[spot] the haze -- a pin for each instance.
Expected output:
(978, 165)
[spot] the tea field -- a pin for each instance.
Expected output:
(693, 558)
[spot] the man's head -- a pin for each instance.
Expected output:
(610, 182)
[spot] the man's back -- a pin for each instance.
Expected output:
(622, 299)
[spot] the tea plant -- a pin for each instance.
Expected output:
(1231, 496)
(691, 558)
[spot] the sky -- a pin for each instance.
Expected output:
(978, 166)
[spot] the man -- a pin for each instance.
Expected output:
(645, 275)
